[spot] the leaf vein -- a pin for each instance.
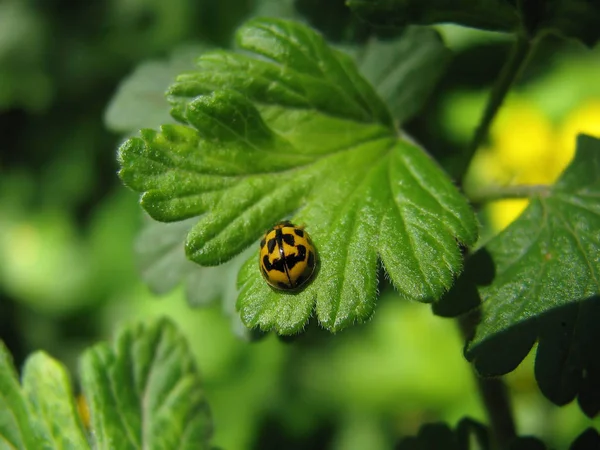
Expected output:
(130, 434)
(581, 250)
(333, 85)
(145, 399)
(443, 256)
(527, 249)
(408, 235)
(346, 206)
(423, 186)
(584, 207)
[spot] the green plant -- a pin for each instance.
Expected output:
(287, 126)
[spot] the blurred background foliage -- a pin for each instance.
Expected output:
(67, 226)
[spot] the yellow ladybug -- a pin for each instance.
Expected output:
(287, 256)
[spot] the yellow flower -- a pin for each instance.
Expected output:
(522, 138)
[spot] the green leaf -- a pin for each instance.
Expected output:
(53, 414)
(546, 287)
(469, 435)
(290, 128)
(588, 439)
(417, 59)
(15, 429)
(161, 258)
(496, 15)
(145, 392)
(41, 413)
(140, 98)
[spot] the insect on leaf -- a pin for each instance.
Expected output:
(288, 128)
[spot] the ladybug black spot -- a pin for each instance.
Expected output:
(289, 239)
(271, 245)
(299, 232)
(263, 242)
(278, 265)
(292, 260)
(267, 264)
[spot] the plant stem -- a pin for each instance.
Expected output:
(494, 396)
(520, 53)
(497, 404)
(492, 193)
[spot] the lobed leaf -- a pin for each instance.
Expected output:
(160, 246)
(546, 286)
(145, 392)
(288, 127)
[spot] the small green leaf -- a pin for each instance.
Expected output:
(161, 258)
(145, 392)
(140, 99)
(418, 58)
(53, 414)
(289, 127)
(41, 413)
(586, 440)
(546, 286)
(496, 15)
(469, 435)
(15, 429)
